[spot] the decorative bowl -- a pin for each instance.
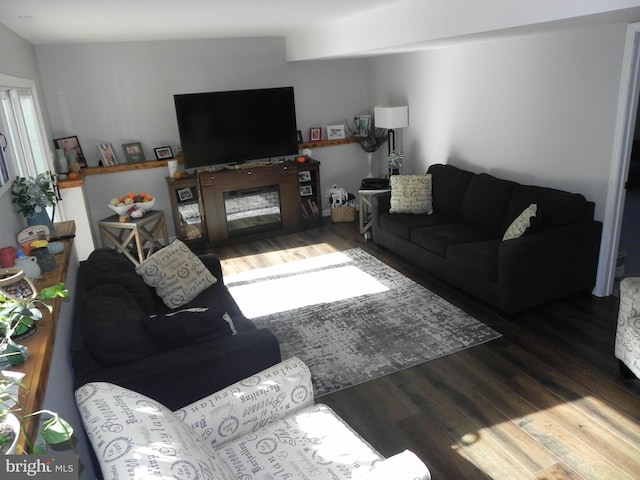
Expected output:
(146, 206)
(122, 209)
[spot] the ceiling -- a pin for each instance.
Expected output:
(44, 22)
(311, 28)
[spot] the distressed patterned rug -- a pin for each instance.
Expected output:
(351, 318)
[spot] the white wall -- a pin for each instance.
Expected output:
(120, 93)
(539, 109)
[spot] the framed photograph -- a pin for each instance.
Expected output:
(335, 132)
(304, 176)
(71, 145)
(300, 136)
(315, 134)
(108, 156)
(163, 153)
(306, 190)
(184, 194)
(133, 152)
(361, 124)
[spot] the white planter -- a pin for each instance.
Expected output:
(12, 420)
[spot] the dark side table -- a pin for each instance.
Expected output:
(133, 236)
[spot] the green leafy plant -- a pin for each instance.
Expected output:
(395, 160)
(54, 431)
(18, 315)
(31, 195)
(15, 315)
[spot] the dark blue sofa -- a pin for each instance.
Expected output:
(119, 336)
(461, 242)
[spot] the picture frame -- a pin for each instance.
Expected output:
(299, 133)
(315, 134)
(306, 190)
(361, 125)
(71, 145)
(304, 176)
(163, 153)
(133, 152)
(184, 194)
(335, 132)
(107, 155)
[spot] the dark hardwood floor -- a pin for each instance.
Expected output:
(545, 401)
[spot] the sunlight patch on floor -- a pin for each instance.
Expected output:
(312, 281)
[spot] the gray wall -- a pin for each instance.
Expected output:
(539, 109)
(120, 93)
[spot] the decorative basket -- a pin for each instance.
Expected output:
(343, 214)
(15, 284)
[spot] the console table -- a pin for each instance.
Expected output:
(135, 234)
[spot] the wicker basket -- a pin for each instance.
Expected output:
(343, 214)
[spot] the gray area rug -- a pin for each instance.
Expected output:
(351, 318)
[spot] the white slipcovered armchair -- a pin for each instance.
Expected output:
(263, 427)
(627, 348)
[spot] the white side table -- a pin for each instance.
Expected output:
(364, 207)
(131, 237)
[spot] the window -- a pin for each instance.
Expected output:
(23, 150)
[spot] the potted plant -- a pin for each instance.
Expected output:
(16, 315)
(32, 195)
(395, 160)
(54, 431)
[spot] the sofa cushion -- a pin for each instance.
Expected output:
(477, 258)
(411, 194)
(448, 186)
(186, 327)
(555, 207)
(114, 332)
(401, 224)
(126, 449)
(521, 224)
(106, 266)
(485, 203)
(438, 238)
(177, 274)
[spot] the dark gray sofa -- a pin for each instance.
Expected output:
(461, 241)
(122, 334)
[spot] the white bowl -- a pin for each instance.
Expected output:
(120, 210)
(146, 206)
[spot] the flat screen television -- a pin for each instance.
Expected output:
(236, 126)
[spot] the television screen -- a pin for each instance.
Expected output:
(236, 126)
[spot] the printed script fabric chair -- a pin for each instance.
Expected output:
(264, 427)
(627, 348)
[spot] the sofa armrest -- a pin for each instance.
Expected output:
(250, 404)
(555, 260)
(402, 466)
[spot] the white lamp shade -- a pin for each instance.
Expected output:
(391, 117)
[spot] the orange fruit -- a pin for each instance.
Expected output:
(73, 176)
(177, 175)
(131, 195)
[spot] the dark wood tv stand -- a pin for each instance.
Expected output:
(299, 193)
